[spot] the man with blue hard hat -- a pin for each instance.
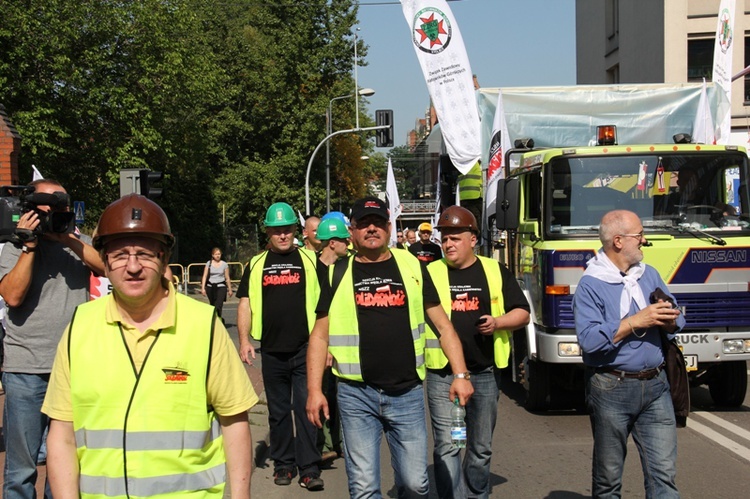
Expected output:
(279, 294)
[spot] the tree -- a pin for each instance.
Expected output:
(227, 99)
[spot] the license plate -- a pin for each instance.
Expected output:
(691, 362)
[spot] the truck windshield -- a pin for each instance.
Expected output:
(672, 191)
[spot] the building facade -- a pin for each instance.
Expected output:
(660, 41)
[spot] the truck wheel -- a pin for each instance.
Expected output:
(728, 383)
(537, 386)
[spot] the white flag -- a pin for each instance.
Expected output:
(301, 219)
(445, 65)
(722, 72)
(703, 126)
(499, 145)
(37, 174)
(438, 202)
(394, 203)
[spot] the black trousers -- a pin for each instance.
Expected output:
(217, 294)
(285, 383)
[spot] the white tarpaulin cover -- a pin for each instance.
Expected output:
(568, 116)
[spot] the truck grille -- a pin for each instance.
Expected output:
(723, 310)
(701, 311)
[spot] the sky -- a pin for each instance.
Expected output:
(509, 43)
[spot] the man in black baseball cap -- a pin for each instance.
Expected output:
(377, 341)
(369, 206)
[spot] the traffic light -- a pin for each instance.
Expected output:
(384, 137)
(147, 179)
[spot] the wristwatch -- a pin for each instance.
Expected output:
(466, 375)
(28, 249)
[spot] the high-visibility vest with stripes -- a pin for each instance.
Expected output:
(147, 434)
(434, 356)
(312, 290)
(343, 328)
(470, 184)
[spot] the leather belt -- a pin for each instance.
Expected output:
(642, 375)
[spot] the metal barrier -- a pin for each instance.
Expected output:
(178, 277)
(194, 276)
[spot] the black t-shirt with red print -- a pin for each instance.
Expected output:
(285, 328)
(470, 299)
(386, 344)
(426, 252)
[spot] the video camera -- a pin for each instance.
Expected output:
(15, 200)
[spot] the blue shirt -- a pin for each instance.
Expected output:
(596, 305)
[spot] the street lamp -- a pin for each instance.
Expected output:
(364, 92)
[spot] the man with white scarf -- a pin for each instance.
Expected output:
(626, 386)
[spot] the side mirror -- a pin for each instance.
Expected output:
(507, 204)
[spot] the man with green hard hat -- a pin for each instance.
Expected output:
(279, 294)
(334, 235)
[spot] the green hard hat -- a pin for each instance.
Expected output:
(279, 215)
(332, 227)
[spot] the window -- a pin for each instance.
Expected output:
(700, 60)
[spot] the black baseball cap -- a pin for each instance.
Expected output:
(369, 206)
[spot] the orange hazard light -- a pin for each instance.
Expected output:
(606, 135)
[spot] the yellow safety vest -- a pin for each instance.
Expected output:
(438, 270)
(470, 185)
(149, 434)
(312, 290)
(343, 328)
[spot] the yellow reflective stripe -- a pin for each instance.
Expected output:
(471, 188)
(341, 340)
(470, 176)
(147, 440)
(350, 368)
(432, 343)
(417, 332)
(420, 360)
(144, 487)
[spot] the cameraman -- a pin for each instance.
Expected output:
(42, 281)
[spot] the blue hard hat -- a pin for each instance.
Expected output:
(338, 215)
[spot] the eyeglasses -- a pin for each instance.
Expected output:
(638, 236)
(145, 259)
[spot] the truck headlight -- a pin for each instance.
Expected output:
(568, 349)
(735, 346)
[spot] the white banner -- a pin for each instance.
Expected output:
(703, 127)
(499, 145)
(722, 72)
(394, 203)
(445, 65)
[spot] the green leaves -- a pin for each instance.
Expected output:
(226, 98)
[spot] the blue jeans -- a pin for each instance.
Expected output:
(453, 480)
(619, 407)
(366, 413)
(23, 430)
(285, 383)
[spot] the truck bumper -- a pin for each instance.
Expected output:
(709, 346)
(715, 346)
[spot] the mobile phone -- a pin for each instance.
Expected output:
(480, 321)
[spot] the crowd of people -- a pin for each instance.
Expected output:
(143, 393)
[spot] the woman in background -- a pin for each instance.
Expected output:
(216, 283)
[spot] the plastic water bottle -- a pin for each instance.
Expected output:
(458, 426)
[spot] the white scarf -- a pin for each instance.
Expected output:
(602, 268)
